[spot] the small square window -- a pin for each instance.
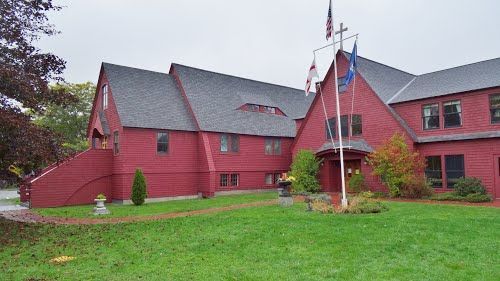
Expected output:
(235, 179)
(430, 116)
(330, 128)
(224, 179)
(356, 125)
(452, 114)
(277, 177)
(253, 107)
(495, 108)
(269, 179)
(162, 142)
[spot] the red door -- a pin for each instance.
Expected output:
(497, 176)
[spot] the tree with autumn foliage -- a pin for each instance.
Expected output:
(25, 74)
(396, 164)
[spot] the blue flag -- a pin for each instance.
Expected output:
(352, 65)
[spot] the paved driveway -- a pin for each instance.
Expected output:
(7, 202)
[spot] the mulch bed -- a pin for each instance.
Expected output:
(27, 216)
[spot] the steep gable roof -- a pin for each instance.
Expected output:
(147, 99)
(475, 76)
(385, 80)
(215, 99)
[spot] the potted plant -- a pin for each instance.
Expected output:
(100, 209)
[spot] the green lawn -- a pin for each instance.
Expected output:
(85, 211)
(411, 241)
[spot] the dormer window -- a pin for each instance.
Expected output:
(104, 96)
(269, 109)
(259, 108)
(253, 107)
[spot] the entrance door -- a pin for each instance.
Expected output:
(352, 167)
(497, 176)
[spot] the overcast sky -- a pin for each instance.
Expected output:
(270, 40)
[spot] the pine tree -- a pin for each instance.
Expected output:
(139, 189)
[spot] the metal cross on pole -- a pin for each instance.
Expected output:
(341, 32)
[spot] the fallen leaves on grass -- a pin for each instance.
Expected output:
(62, 259)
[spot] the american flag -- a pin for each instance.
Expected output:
(329, 22)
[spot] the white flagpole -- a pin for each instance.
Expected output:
(339, 126)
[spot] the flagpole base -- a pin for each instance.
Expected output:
(344, 202)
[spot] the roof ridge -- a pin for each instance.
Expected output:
(383, 64)
(458, 66)
(136, 68)
(244, 78)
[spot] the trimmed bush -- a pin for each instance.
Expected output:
(139, 189)
(416, 187)
(477, 198)
(446, 196)
(357, 183)
(469, 185)
(305, 169)
(453, 196)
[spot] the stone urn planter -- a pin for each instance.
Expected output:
(99, 208)
(285, 198)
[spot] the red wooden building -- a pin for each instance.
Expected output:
(195, 132)
(452, 117)
(192, 132)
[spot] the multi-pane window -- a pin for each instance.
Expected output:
(224, 140)
(229, 143)
(454, 165)
(433, 171)
(235, 179)
(356, 125)
(104, 96)
(116, 143)
(495, 108)
(253, 107)
(162, 142)
(452, 114)
(269, 179)
(224, 179)
(269, 109)
(342, 85)
(330, 128)
(430, 116)
(272, 146)
(277, 177)
(344, 125)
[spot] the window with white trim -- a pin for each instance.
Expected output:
(105, 96)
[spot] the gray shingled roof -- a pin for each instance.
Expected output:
(480, 75)
(458, 137)
(104, 123)
(215, 99)
(147, 99)
(386, 81)
(359, 145)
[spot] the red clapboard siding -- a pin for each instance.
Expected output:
(478, 156)
(77, 181)
(171, 174)
(377, 122)
(250, 162)
(475, 113)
